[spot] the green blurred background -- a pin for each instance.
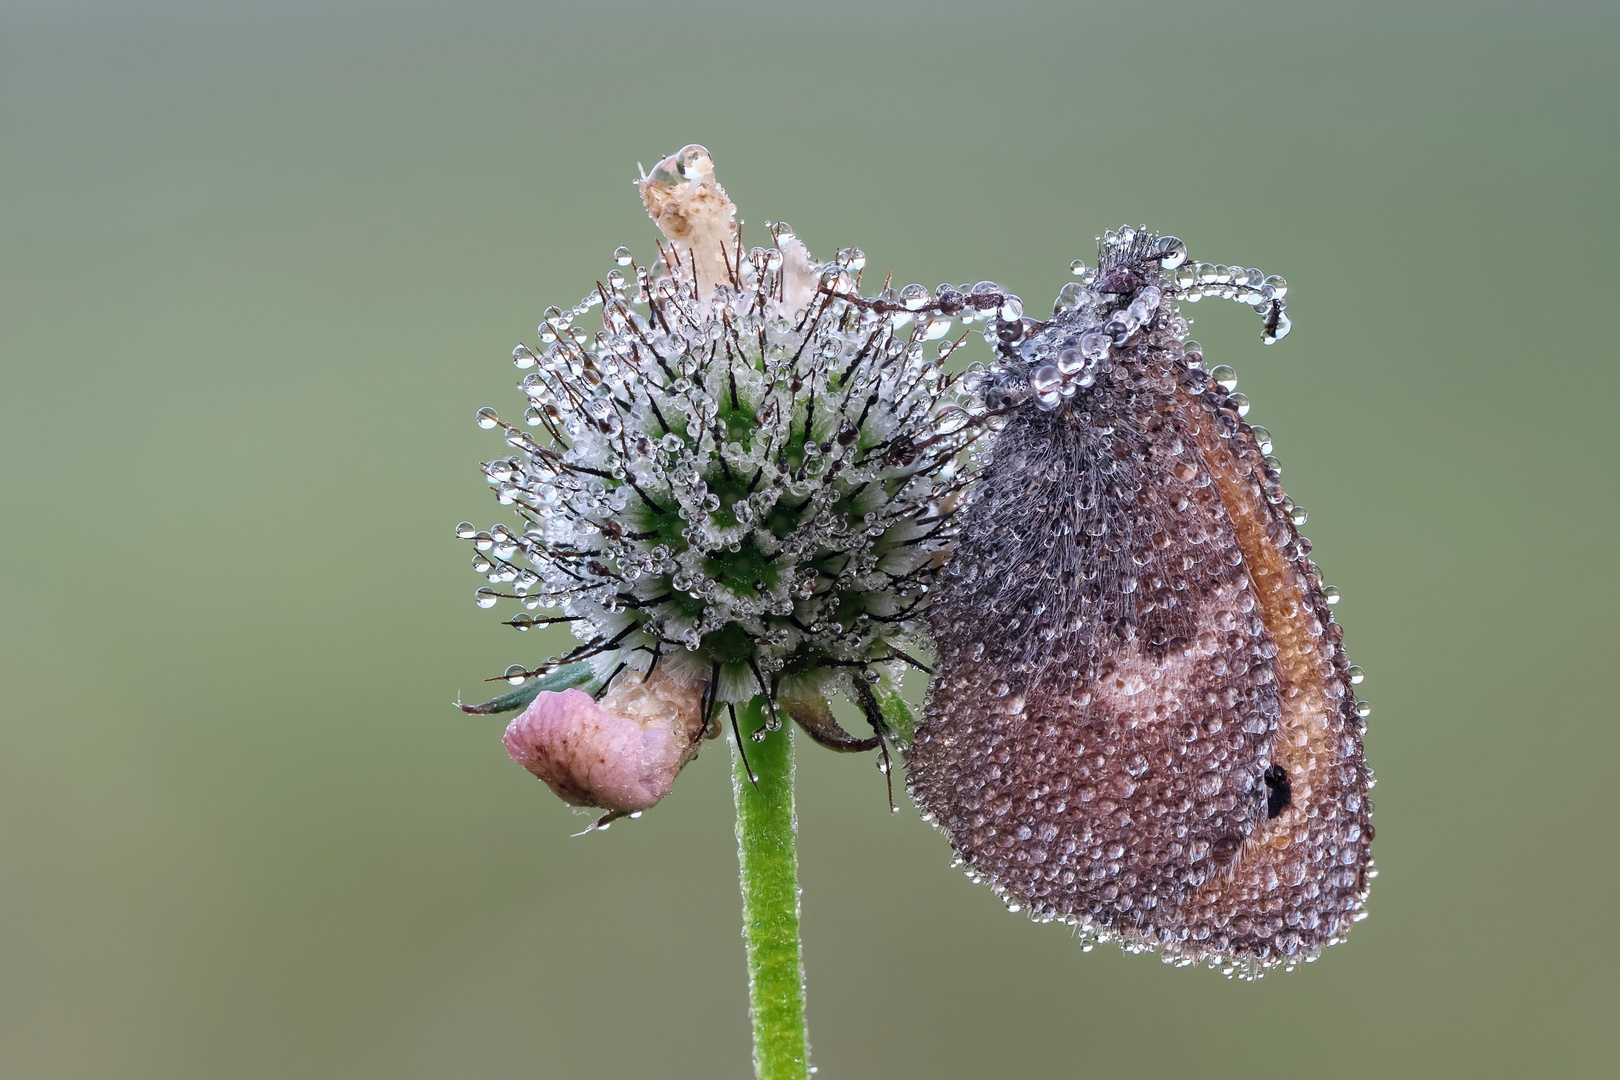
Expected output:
(260, 263)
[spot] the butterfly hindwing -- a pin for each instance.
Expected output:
(1142, 722)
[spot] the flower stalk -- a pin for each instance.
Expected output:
(768, 862)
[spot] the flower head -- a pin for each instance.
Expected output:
(733, 466)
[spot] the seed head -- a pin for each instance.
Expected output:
(733, 466)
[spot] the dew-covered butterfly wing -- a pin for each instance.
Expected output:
(1143, 722)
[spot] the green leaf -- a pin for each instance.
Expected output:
(564, 678)
(897, 713)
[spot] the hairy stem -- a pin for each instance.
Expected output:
(767, 852)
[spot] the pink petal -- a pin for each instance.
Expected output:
(621, 754)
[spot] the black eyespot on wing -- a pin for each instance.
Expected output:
(1278, 792)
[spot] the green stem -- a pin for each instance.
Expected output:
(768, 856)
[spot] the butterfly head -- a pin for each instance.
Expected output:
(1120, 308)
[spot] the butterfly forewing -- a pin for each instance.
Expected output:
(1142, 721)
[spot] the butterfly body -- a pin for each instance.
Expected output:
(1143, 721)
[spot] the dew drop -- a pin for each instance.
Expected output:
(487, 418)
(1122, 326)
(837, 279)
(621, 255)
(1363, 709)
(1240, 402)
(693, 161)
(466, 531)
(1045, 378)
(1355, 674)
(950, 419)
(1262, 438)
(1225, 375)
(1172, 252)
(1330, 593)
(516, 674)
(485, 598)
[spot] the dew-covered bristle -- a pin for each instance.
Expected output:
(710, 476)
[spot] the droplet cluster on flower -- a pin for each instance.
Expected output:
(730, 462)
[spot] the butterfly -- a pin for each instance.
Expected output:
(1143, 723)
